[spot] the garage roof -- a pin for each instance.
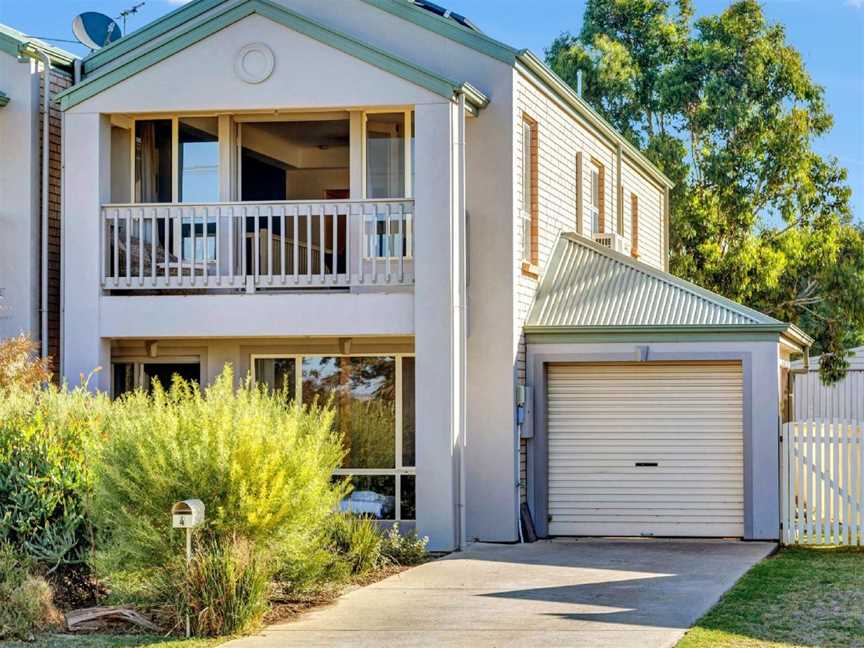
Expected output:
(589, 288)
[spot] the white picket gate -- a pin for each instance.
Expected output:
(822, 482)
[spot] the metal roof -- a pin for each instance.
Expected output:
(588, 286)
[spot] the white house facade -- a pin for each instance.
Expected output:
(372, 202)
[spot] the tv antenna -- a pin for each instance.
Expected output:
(131, 11)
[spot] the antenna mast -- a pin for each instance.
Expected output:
(130, 12)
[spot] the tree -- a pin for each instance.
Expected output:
(725, 107)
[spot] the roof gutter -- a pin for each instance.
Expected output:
(537, 68)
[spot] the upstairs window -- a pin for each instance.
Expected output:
(529, 201)
(634, 225)
(597, 203)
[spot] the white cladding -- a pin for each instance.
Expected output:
(646, 449)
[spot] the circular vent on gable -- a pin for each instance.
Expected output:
(254, 63)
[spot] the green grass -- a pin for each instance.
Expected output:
(800, 597)
(111, 641)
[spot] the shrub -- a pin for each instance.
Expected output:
(224, 589)
(44, 475)
(20, 364)
(356, 540)
(403, 548)
(26, 605)
(262, 468)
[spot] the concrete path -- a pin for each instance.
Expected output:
(617, 593)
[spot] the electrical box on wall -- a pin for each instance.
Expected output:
(525, 410)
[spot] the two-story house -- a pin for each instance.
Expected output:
(374, 201)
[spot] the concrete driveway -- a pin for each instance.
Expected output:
(617, 593)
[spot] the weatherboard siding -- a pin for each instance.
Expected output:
(561, 138)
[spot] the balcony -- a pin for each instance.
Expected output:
(251, 246)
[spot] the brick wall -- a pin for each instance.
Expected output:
(60, 80)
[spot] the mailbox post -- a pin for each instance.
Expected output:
(187, 514)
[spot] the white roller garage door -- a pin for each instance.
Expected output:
(646, 448)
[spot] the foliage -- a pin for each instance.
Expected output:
(26, 605)
(724, 106)
(799, 597)
(224, 589)
(261, 466)
(403, 548)
(44, 473)
(20, 364)
(356, 540)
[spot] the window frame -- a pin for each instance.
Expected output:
(398, 469)
(531, 217)
(634, 225)
(598, 210)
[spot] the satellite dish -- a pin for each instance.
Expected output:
(95, 30)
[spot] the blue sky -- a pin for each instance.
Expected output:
(828, 33)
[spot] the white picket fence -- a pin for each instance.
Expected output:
(822, 482)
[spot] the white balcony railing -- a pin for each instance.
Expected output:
(256, 246)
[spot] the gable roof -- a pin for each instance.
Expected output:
(14, 43)
(587, 287)
(193, 33)
(524, 60)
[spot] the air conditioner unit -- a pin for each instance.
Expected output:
(613, 241)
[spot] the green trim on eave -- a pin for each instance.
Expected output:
(279, 14)
(557, 86)
(447, 28)
(563, 335)
(14, 43)
(4, 99)
(147, 33)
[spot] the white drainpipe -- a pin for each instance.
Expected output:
(40, 54)
(462, 262)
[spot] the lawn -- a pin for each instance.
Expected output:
(111, 641)
(799, 597)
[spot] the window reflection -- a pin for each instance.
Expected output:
(363, 393)
(278, 374)
(199, 159)
(385, 155)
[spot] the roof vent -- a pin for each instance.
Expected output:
(446, 13)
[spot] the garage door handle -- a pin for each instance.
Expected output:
(646, 464)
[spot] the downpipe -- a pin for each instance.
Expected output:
(38, 53)
(462, 314)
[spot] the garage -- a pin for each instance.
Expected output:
(650, 449)
(655, 405)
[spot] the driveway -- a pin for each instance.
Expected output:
(617, 593)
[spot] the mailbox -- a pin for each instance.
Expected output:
(187, 514)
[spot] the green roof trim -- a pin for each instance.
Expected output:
(142, 36)
(16, 43)
(281, 15)
(756, 333)
(475, 40)
(4, 99)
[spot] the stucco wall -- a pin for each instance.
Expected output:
(19, 198)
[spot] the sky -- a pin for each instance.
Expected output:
(828, 33)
